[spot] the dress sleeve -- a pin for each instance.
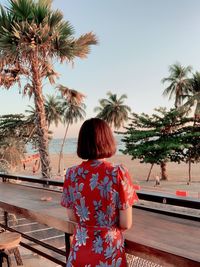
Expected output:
(67, 194)
(127, 194)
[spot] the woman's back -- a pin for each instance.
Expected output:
(96, 190)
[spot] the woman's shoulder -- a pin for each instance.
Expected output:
(119, 167)
(116, 167)
(73, 168)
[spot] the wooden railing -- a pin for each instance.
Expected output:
(143, 251)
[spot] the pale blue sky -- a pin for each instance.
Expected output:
(138, 40)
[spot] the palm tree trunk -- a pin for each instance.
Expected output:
(197, 111)
(149, 172)
(30, 135)
(41, 125)
(163, 171)
(61, 149)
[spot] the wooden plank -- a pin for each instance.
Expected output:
(171, 235)
(27, 202)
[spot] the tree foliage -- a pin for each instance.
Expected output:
(16, 130)
(162, 137)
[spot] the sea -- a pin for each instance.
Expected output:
(71, 146)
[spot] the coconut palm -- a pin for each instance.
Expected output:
(179, 85)
(73, 109)
(53, 114)
(194, 96)
(52, 110)
(113, 110)
(31, 36)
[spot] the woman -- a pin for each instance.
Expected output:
(99, 197)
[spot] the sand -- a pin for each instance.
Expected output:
(177, 173)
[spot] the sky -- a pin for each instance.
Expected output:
(138, 40)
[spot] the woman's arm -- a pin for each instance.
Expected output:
(125, 218)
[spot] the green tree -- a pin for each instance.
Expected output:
(12, 151)
(18, 126)
(154, 139)
(184, 88)
(16, 130)
(72, 109)
(193, 153)
(32, 35)
(189, 136)
(178, 83)
(113, 110)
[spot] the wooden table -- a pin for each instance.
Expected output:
(169, 234)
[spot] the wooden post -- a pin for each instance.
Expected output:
(1, 258)
(67, 245)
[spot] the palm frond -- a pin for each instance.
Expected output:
(112, 110)
(22, 10)
(83, 43)
(71, 95)
(178, 82)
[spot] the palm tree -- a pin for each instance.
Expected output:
(73, 109)
(194, 96)
(53, 114)
(113, 110)
(52, 110)
(31, 36)
(178, 81)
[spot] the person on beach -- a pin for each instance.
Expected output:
(24, 166)
(157, 180)
(36, 166)
(99, 197)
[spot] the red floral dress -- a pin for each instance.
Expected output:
(96, 190)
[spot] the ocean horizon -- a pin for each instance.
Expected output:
(71, 145)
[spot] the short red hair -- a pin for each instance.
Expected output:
(95, 140)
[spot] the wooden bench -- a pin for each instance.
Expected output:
(9, 243)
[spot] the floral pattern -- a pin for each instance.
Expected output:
(96, 190)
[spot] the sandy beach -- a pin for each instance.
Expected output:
(177, 173)
(139, 171)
